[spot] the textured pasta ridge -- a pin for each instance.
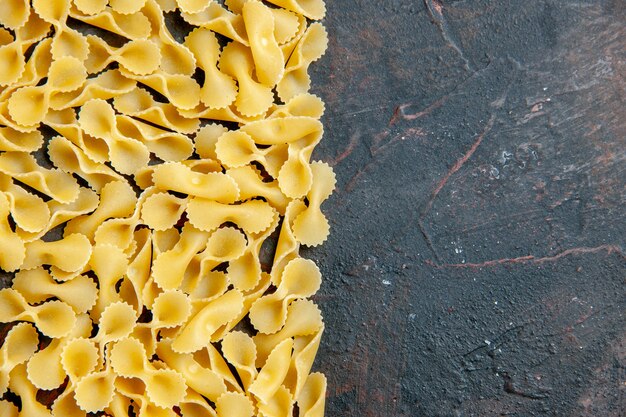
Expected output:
(157, 182)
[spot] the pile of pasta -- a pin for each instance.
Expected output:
(141, 180)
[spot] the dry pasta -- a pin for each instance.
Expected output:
(136, 233)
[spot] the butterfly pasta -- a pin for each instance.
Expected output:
(154, 195)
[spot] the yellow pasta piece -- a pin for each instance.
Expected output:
(27, 392)
(109, 263)
(202, 380)
(106, 85)
(117, 322)
(44, 368)
(195, 405)
(140, 104)
(36, 285)
(180, 178)
(66, 41)
(13, 140)
(286, 25)
(311, 226)
(303, 319)
(71, 159)
(65, 123)
(239, 349)
(53, 318)
(193, 6)
(133, 26)
(169, 267)
(69, 254)
(305, 104)
(139, 56)
(253, 98)
(312, 397)
(233, 404)
(95, 391)
(227, 114)
(304, 351)
(251, 184)
(219, 20)
(28, 211)
(268, 57)
(273, 372)
(175, 58)
(287, 247)
(8, 409)
(279, 405)
(309, 49)
(138, 272)
(29, 105)
(127, 155)
(170, 309)
(90, 7)
(219, 90)
(164, 387)
(313, 9)
(300, 279)
(79, 358)
(19, 345)
(208, 215)
(276, 131)
(167, 5)
(161, 211)
(164, 144)
(295, 177)
(181, 90)
(14, 13)
(206, 138)
(12, 248)
(236, 149)
(204, 288)
(200, 328)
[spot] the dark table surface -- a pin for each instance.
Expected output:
(476, 264)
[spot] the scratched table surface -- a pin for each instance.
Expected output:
(476, 263)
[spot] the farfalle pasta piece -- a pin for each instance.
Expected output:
(194, 405)
(16, 141)
(28, 211)
(117, 199)
(193, 6)
(273, 372)
(53, 318)
(169, 267)
(133, 26)
(164, 387)
(234, 404)
(309, 49)
(116, 322)
(127, 155)
(170, 309)
(37, 285)
(105, 86)
(109, 263)
(286, 25)
(240, 351)
(8, 409)
(219, 90)
(23, 388)
(301, 278)
(219, 20)
(29, 105)
(304, 350)
(251, 184)
(280, 404)
(44, 368)
(303, 318)
(90, 7)
(127, 6)
(86, 202)
(138, 272)
(311, 226)
(161, 211)
(19, 345)
(226, 114)
(66, 41)
(95, 391)
(65, 123)
(79, 358)
(253, 97)
(181, 90)
(164, 144)
(180, 178)
(305, 104)
(199, 330)
(202, 380)
(236, 149)
(69, 254)
(71, 159)
(312, 397)
(175, 57)
(14, 13)
(139, 103)
(268, 57)
(295, 177)
(252, 216)
(281, 130)
(139, 56)
(54, 183)
(12, 248)
(206, 139)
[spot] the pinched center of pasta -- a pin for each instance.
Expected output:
(140, 247)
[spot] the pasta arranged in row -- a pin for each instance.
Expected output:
(143, 181)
